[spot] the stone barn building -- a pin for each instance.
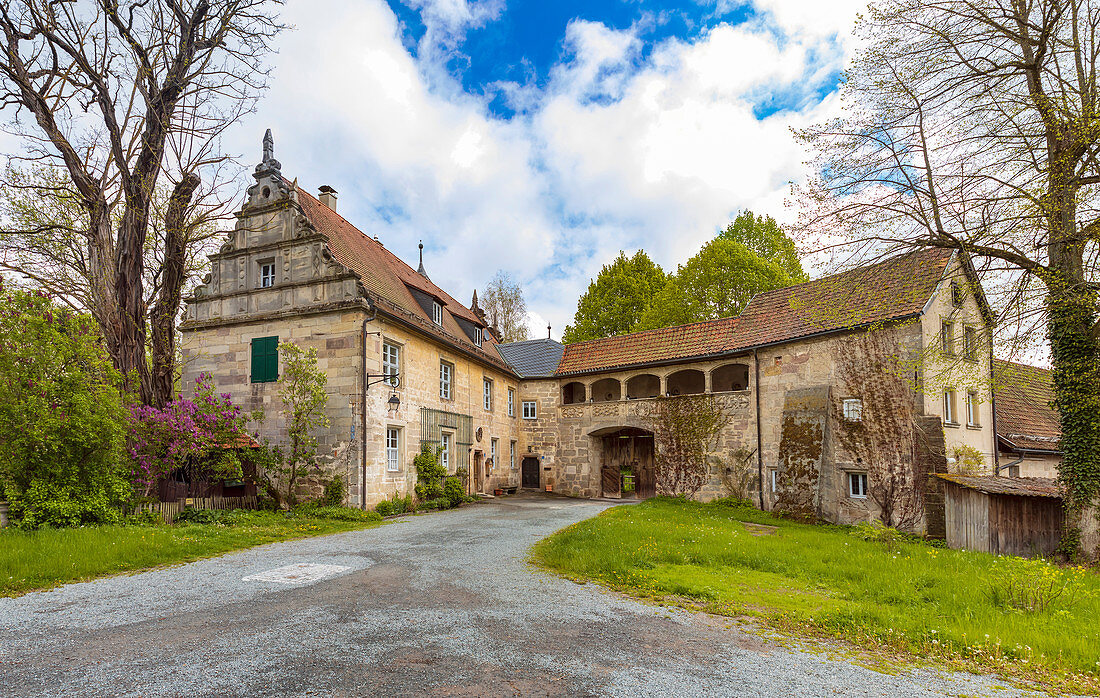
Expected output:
(843, 393)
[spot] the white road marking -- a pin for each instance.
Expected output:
(301, 573)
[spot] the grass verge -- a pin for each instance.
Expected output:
(36, 560)
(1027, 620)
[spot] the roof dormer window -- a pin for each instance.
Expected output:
(437, 313)
(477, 336)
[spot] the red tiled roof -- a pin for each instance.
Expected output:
(667, 343)
(1023, 395)
(386, 277)
(889, 290)
(996, 484)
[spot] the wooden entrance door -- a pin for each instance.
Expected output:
(629, 451)
(530, 473)
(479, 472)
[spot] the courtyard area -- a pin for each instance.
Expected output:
(444, 604)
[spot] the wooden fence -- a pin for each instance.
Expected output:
(170, 510)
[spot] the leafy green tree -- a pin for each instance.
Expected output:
(302, 391)
(716, 282)
(762, 235)
(63, 420)
(505, 308)
(616, 298)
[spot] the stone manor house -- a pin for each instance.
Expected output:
(408, 364)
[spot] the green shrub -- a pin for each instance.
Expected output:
(200, 516)
(336, 513)
(429, 474)
(454, 491)
(733, 503)
(62, 416)
(335, 491)
(395, 505)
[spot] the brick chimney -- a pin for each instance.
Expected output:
(328, 196)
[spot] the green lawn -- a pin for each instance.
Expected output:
(49, 557)
(957, 606)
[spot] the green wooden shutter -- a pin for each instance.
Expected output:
(265, 359)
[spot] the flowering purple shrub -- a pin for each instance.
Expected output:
(199, 431)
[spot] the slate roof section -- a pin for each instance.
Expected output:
(892, 289)
(533, 358)
(1023, 395)
(1018, 486)
(388, 279)
(710, 337)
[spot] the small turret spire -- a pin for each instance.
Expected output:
(473, 303)
(548, 330)
(269, 146)
(420, 269)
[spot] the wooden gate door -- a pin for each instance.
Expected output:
(531, 473)
(611, 481)
(644, 476)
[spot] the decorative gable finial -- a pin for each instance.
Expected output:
(269, 165)
(420, 269)
(548, 330)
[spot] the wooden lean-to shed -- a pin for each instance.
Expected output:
(1003, 515)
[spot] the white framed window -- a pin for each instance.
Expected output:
(393, 449)
(972, 414)
(391, 363)
(530, 411)
(970, 343)
(477, 336)
(487, 386)
(512, 454)
(511, 402)
(857, 485)
(853, 409)
(493, 451)
(267, 274)
(446, 379)
(947, 337)
(774, 481)
(437, 313)
(445, 451)
(949, 416)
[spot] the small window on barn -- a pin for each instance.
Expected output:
(972, 413)
(853, 409)
(949, 415)
(956, 294)
(970, 343)
(265, 359)
(857, 485)
(947, 337)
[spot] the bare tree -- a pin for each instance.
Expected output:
(505, 308)
(883, 433)
(975, 125)
(116, 92)
(685, 431)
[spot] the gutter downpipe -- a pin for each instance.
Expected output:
(363, 409)
(759, 436)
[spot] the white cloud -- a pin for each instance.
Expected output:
(610, 155)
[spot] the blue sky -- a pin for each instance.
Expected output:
(542, 137)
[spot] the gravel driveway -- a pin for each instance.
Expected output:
(439, 605)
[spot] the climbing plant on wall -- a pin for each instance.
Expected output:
(685, 431)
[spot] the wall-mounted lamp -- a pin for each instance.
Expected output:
(393, 403)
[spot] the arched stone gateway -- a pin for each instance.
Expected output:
(626, 462)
